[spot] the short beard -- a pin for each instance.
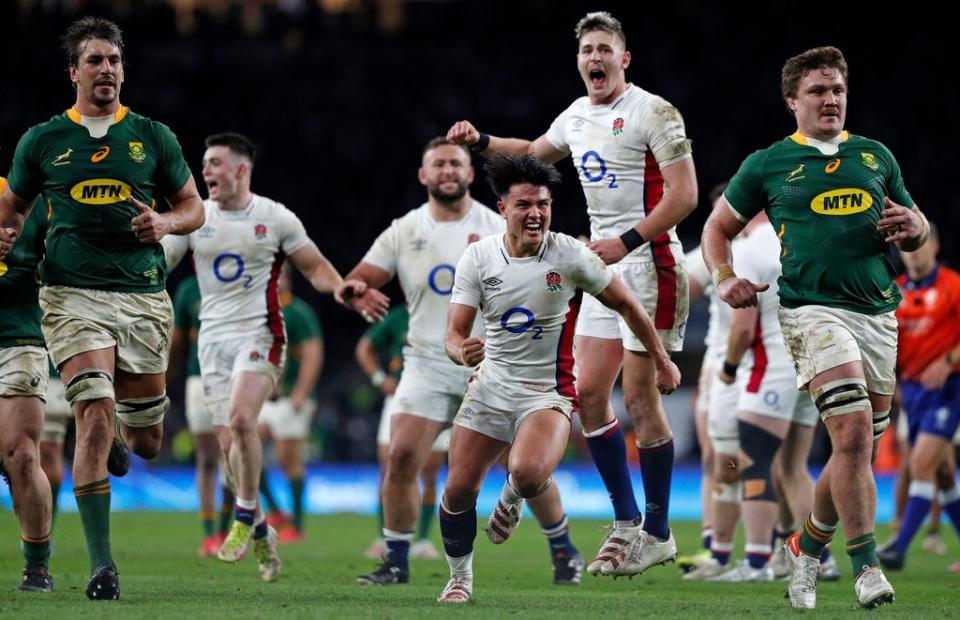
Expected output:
(459, 193)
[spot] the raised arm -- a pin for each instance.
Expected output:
(463, 132)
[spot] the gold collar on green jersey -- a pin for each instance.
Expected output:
(799, 138)
(118, 116)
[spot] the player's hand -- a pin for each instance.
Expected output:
(899, 223)
(725, 378)
(149, 226)
(463, 132)
(297, 401)
(935, 376)
(610, 250)
(740, 292)
(668, 376)
(370, 303)
(389, 386)
(8, 236)
(472, 351)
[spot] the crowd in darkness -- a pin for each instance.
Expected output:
(341, 102)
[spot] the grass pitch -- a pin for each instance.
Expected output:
(161, 577)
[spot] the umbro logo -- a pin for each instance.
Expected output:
(492, 284)
(418, 244)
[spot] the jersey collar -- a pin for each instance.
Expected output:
(927, 282)
(118, 116)
(799, 138)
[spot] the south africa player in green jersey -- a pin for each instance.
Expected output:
(106, 316)
(836, 201)
(23, 383)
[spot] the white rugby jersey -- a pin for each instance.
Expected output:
(757, 258)
(618, 150)
(423, 254)
(530, 306)
(238, 256)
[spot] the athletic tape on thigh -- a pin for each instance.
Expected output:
(842, 397)
(89, 384)
(760, 446)
(143, 412)
(881, 420)
(725, 492)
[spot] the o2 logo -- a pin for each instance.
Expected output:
(229, 267)
(519, 320)
(441, 279)
(601, 174)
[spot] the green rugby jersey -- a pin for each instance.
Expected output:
(186, 316)
(389, 336)
(825, 210)
(87, 181)
(20, 317)
(302, 325)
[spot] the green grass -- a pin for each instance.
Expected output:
(162, 577)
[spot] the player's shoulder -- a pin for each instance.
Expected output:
(579, 106)
(147, 126)
(40, 130)
(486, 215)
(268, 208)
(950, 276)
(561, 248)
(413, 218)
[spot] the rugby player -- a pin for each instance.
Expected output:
(528, 284)
(636, 169)
(928, 358)
(422, 248)
(106, 316)
(836, 200)
(238, 254)
(23, 385)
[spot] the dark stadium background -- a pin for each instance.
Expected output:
(340, 96)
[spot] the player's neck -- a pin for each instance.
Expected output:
(92, 110)
(442, 211)
(827, 138)
(613, 96)
(518, 249)
(922, 273)
(236, 203)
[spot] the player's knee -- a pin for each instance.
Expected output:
(402, 461)
(145, 442)
(923, 465)
(458, 497)
(90, 384)
(854, 439)
(241, 426)
(761, 447)
(727, 472)
(530, 479)
(143, 412)
(22, 459)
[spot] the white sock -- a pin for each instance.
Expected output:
(462, 566)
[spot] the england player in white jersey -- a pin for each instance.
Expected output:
(775, 421)
(238, 254)
(629, 148)
(422, 248)
(528, 285)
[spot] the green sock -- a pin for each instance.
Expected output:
(36, 552)
(268, 497)
(863, 552)
(425, 522)
(54, 492)
(208, 517)
(93, 501)
(814, 538)
(296, 490)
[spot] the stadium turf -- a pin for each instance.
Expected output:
(161, 577)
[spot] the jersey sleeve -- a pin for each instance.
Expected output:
(593, 276)
(556, 134)
(186, 296)
(663, 130)
(383, 252)
(294, 235)
(466, 284)
(745, 191)
(696, 268)
(172, 170)
(895, 188)
(26, 176)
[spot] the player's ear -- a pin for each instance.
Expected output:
(422, 176)
(625, 62)
(471, 173)
(502, 208)
(74, 77)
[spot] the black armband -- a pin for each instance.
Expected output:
(481, 144)
(730, 369)
(632, 239)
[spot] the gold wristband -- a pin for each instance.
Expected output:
(721, 273)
